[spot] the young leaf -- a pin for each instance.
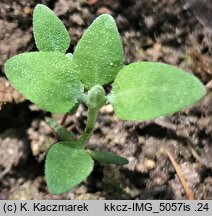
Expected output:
(99, 53)
(146, 90)
(66, 166)
(48, 79)
(49, 32)
(107, 157)
(96, 97)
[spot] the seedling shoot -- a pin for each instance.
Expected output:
(58, 83)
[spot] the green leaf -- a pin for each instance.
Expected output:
(146, 90)
(99, 53)
(49, 32)
(60, 131)
(66, 166)
(48, 79)
(107, 157)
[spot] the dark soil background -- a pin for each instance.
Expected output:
(177, 32)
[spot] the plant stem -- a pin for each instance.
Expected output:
(64, 119)
(92, 115)
(90, 126)
(95, 100)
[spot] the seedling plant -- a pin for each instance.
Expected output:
(58, 82)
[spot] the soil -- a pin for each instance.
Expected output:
(173, 32)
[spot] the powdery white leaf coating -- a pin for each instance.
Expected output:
(48, 79)
(146, 90)
(99, 53)
(66, 166)
(49, 32)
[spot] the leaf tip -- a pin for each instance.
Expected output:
(106, 16)
(49, 32)
(40, 7)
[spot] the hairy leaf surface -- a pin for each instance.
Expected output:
(99, 53)
(66, 166)
(49, 32)
(146, 90)
(48, 79)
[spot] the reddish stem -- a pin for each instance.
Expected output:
(64, 119)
